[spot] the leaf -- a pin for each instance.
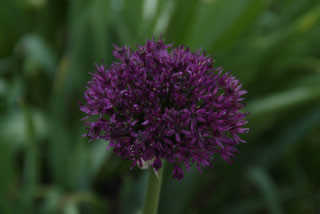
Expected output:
(37, 54)
(283, 100)
(267, 189)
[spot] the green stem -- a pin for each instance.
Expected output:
(31, 170)
(153, 192)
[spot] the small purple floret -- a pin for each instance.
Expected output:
(165, 103)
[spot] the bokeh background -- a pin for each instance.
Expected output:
(48, 48)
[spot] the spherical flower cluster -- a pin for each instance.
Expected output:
(161, 102)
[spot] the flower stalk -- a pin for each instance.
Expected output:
(153, 192)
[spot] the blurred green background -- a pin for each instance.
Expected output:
(47, 49)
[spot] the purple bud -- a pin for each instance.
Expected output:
(177, 173)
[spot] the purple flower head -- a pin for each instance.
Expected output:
(161, 102)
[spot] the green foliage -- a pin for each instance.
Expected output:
(47, 49)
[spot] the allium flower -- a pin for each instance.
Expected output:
(161, 102)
